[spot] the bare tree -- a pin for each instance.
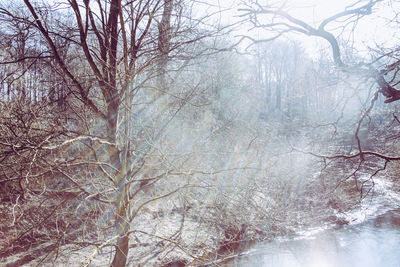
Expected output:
(278, 21)
(103, 54)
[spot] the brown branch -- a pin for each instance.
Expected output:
(366, 113)
(25, 58)
(83, 37)
(83, 92)
(352, 156)
(391, 93)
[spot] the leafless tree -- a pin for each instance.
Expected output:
(103, 55)
(277, 21)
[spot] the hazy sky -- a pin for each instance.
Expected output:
(369, 30)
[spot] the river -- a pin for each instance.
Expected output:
(372, 239)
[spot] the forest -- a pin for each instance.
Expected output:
(184, 132)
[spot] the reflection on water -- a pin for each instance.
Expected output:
(374, 243)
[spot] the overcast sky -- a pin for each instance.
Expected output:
(369, 30)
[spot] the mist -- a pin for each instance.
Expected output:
(191, 133)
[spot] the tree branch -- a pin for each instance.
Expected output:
(83, 92)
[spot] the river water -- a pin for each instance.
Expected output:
(372, 239)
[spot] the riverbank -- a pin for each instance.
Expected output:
(356, 245)
(195, 234)
(351, 236)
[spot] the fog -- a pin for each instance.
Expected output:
(174, 133)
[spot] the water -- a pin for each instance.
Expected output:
(372, 239)
(374, 243)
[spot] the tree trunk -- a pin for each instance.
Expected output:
(164, 38)
(121, 252)
(121, 201)
(118, 161)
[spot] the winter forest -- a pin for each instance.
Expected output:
(198, 132)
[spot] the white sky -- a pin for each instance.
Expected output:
(370, 30)
(368, 27)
